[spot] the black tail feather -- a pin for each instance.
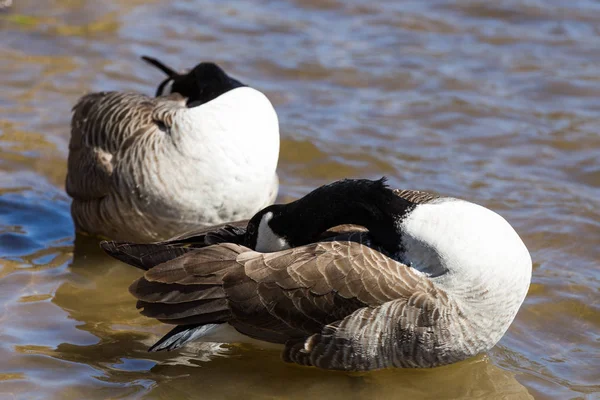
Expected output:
(167, 70)
(147, 255)
(180, 335)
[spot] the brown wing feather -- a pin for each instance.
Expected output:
(348, 267)
(313, 288)
(382, 313)
(148, 255)
(337, 304)
(399, 333)
(190, 287)
(155, 292)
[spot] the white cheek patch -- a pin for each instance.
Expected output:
(267, 241)
(167, 88)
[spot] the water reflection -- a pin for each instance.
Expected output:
(497, 102)
(114, 339)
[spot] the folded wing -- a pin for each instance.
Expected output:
(335, 304)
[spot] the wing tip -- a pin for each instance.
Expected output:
(122, 252)
(109, 246)
(180, 336)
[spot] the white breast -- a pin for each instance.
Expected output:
(470, 247)
(226, 153)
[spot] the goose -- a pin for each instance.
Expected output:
(203, 152)
(354, 276)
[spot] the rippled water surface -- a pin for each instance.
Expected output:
(497, 102)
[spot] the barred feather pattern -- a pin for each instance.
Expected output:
(416, 196)
(336, 304)
(131, 175)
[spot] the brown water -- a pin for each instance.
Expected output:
(497, 102)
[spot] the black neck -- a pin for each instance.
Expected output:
(350, 201)
(205, 82)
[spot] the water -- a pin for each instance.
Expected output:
(495, 102)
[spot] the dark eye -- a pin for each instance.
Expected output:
(251, 230)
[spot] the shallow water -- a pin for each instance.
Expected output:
(495, 102)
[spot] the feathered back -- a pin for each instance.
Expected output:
(145, 169)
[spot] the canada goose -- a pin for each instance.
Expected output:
(433, 281)
(145, 169)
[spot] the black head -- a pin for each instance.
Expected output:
(266, 231)
(350, 201)
(205, 82)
